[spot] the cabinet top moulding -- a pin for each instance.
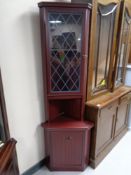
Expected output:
(62, 4)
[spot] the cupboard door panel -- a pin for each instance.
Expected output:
(105, 130)
(67, 148)
(121, 120)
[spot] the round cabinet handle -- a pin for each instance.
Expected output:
(68, 138)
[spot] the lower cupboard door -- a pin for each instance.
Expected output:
(66, 148)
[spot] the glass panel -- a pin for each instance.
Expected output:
(2, 131)
(104, 36)
(122, 50)
(65, 51)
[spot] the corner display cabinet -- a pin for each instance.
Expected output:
(65, 40)
(85, 47)
(107, 98)
(8, 157)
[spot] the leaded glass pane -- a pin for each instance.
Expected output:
(65, 51)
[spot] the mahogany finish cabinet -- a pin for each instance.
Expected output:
(64, 39)
(8, 157)
(85, 47)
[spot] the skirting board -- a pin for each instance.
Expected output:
(35, 168)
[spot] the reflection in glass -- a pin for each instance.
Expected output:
(65, 50)
(103, 44)
(122, 50)
(2, 131)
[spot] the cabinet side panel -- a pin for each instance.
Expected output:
(92, 114)
(44, 55)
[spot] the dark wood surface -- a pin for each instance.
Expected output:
(8, 162)
(63, 4)
(65, 109)
(68, 147)
(68, 124)
(55, 102)
(107, 108)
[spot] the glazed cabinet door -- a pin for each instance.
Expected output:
(124, 44)
(105, 128)
(102, 46)
(122, 115)
(66, 49)
(66, 149)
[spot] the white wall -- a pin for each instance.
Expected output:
(20, 62)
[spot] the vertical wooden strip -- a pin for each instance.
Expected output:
(92, 48)
(114, 46)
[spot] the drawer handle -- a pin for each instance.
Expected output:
(68, 138)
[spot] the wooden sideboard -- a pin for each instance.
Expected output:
(110, 116)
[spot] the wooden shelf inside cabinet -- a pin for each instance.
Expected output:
(63, 96)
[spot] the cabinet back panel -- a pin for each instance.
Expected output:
(69, 108)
